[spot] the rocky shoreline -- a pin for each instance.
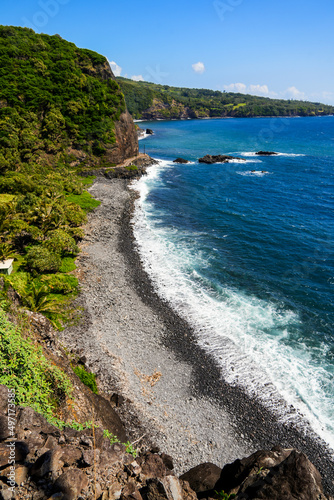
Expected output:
(139, 347)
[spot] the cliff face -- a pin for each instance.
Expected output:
(160, 110)
(126, 135)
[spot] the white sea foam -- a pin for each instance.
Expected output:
(237, 160)
(246, 335)
(144, 136)
(257, 173)
(252, 153)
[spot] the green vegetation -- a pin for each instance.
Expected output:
(54, 96)
(6, 198)
(84, 200)
(38, 383)
(114, 439)
(225, 496)
(57, 117)
(86, 378)
(151, 101)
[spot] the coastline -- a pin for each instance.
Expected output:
(141, 349)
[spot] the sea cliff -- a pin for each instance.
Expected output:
(101, 381)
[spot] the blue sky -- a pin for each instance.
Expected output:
(281, 49)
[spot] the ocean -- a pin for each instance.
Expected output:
(244, 252)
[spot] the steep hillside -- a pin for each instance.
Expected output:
(61, 113)
(151, 102)
(58, 103)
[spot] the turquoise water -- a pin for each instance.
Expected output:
(244, 251)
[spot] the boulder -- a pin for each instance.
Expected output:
(130, 492)
(266, 153)
(210, 159)
(71, 483)
(276, 474)
(149, 131)
(180, 160)
(12, 450)
(49, 462)
(168, 488)
(5, 432)
(152, 466)
(203, 477)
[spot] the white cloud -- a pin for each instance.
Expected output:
(259, 89)
(294, 93)
(236, 87)
(242, 88)
(198, 67)
(137, 78)
(117, 70)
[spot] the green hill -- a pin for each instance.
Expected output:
(56, 101)
(61, 112)
(151, 102)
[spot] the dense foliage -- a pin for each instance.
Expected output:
(38, 383)
(151, 101)
(58, 107)
(53, 97)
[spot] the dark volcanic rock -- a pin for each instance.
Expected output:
(218, 159)
(266, 153)
(71, 484)
(202, 477)
(276, 475)
(180, 160)
(149, 131)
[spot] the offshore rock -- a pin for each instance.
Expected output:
(210, 159)
(266, 153)
(180, 160)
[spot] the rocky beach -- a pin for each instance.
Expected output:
(171, 392)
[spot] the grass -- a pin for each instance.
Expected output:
(84, 200)
(67, 265)
(88, 181)
(240, 105)
(131, 168)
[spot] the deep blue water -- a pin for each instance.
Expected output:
(245, 251)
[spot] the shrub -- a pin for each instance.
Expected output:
(60, 242)
(86, 378)
(41, 260)
(67, 265)
(61, 283)
(131, 168)
(37, 382)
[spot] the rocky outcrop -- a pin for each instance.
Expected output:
(210, 159)
(149, 131)
(180, 160)
(266, 153)
(160, 110)
(125, 130)
(132, 168)
(50, 463)
(126, 140)
(41, 461)
(279, 474)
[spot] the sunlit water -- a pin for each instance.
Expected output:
(244, 251)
